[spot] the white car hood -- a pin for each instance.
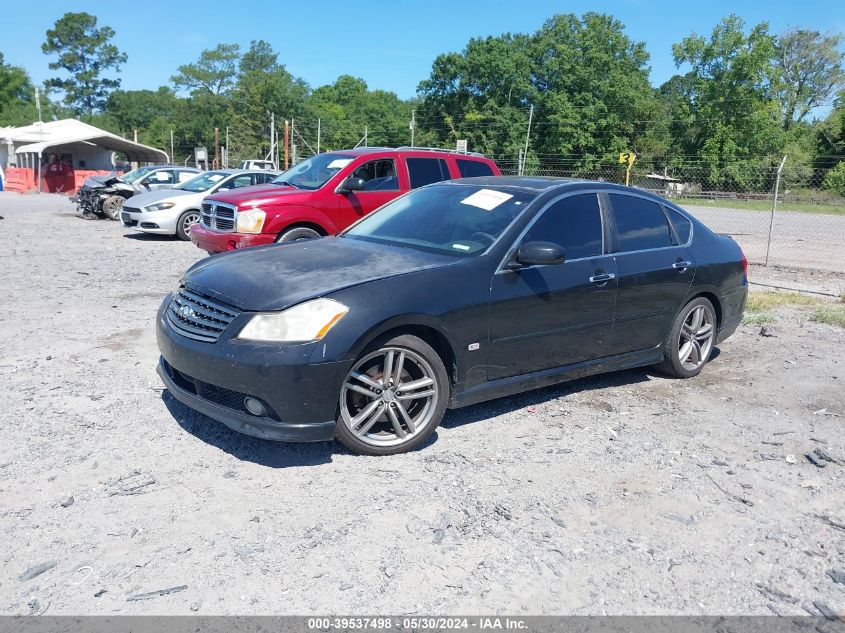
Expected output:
(180, 199)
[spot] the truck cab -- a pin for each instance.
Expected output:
(324, 194)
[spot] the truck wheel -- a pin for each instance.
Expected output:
(112, 206)
(297, 234)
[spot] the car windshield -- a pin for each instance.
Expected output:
(459, 220)
(136, 174)
(315, 172)
(203, 182)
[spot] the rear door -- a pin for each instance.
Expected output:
(426, 170)
(550, 316)
(381, 186)
(655, 272)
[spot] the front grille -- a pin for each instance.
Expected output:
(129, 209)
(199, 317)
(219, 216)
(207, 391)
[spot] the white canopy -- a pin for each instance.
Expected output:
(40, 137)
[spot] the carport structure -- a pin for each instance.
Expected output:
(90, 147)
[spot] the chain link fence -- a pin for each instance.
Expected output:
(805, 230)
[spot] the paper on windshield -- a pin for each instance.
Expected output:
(339, 163)
(487, 199)
(216, 177)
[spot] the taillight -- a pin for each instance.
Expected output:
(744, 264)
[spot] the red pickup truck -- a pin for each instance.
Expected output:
(325, 194)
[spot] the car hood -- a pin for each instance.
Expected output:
(95, 182)
(158, 195)
(258, 195)
(277, 276)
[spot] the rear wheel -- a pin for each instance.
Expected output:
(690, 341)
(298, 234)
(393, 398)
(183, 226)
(112, 206)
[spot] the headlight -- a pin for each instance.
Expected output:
(251, 221)
(309, 321)
(161, 206)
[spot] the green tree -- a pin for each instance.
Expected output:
(263, 87)
(586, 79)
(15, 86)
(86, 53)
(214, 73)
(811, 72)
(724, 108)
(348, 109)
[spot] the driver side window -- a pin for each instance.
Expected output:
(573, 222)
(379, 175)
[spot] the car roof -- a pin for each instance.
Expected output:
(183, 167)
(366, 151)
(230, 172)
(542, 184)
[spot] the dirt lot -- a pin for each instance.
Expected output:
(623, 494)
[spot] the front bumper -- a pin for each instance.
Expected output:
(216, 242)
(213, 378)
(158, 222)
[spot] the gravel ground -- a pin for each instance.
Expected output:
(622, 494)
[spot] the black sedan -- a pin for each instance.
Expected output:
(453, 294)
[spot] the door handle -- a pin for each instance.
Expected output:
(682, 266)
(602, 278)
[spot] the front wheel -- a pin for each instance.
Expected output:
(690, 341)
(298, 234)
(393, 398)
(112, 206)
(183, 226)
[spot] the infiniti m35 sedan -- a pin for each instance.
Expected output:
(455, 293)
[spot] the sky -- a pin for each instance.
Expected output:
(389, 43)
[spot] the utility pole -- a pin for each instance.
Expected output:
(413, 125)
(287, 145)
(226, 155)
(172, 157)
(527, 139)
(216, 148)
(273, 139)
(366, 135)
(774, 208)
(38, 107)
(318, 136)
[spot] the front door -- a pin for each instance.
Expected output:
(543, 317)
(655, 272)
(381, 186)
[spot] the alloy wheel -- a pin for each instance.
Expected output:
(188, 220)
(695, 341)
(389, 397)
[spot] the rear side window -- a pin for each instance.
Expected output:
(185, 176)
(683, 227)
(640, 223)
(472, 168)
(424, 171)
(574, 223)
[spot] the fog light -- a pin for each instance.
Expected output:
(255, 406)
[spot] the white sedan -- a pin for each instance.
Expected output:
(173, 211)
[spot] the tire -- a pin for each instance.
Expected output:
(690, 341)
(183, 224)
(388, 421)
(298, 234)
(112, 206)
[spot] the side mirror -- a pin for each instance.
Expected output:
(538, 254)
(353, 184)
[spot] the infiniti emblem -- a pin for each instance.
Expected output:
(186, 312)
